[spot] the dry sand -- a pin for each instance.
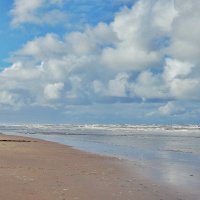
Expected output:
(32, 169)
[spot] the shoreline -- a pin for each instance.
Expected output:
(36, 169)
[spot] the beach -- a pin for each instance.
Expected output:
(35, 169)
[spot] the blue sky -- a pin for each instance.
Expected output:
(114, 61)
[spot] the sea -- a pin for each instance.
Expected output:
(171, 153)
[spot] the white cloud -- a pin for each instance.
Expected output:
(131, 52)
(91, 41)
(170, 109)
(164, 14)
(17, 72)
(52, 91)
(186, 31)
(41, 48)
(167, 109)
(98, 87)
(117, 87)
(185, 88)
(181, 79)
(76, 85)
(37, 12)
(149, 86)
(177, 69)
(7, 98)
(138, 29)
(128, 58)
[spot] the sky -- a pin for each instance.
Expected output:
(102, 61)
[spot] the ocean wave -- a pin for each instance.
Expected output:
(99, 129)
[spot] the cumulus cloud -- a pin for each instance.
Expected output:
(139, 29)
(147, 52)
(37, 12)
(52, 91)
(41, 49)
(185, 32)
(170, 109)
(91, 41)
(149, 86)
(181, 79)
(117, 87)
(176, 69)
(7, 98)
(17, 72)
(164, 13)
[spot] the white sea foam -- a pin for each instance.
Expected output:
(99, 129)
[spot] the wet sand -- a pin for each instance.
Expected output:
(33, 169)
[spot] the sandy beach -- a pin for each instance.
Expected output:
(33, 169)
